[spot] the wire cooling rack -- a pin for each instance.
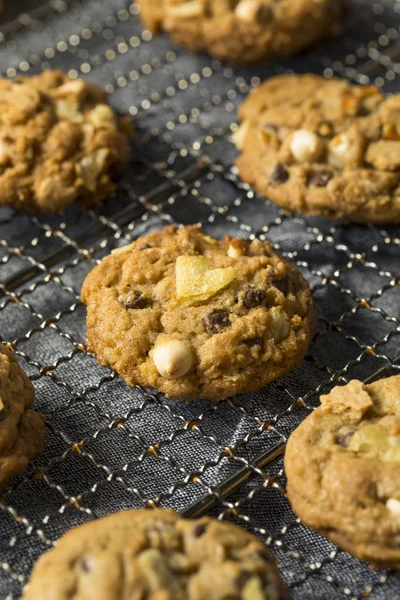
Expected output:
(110, 447)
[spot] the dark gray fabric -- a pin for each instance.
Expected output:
(110, 447)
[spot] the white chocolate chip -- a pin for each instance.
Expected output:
(253, 590)
(91, 166)
(69, 111)
(248, 10)
(304, 145)
(338, 149)
(236, 248)
(239, 136)
(172, 357)
(394, 506)
(103, 116)
(1, 404)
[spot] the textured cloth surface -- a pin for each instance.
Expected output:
(110, 447)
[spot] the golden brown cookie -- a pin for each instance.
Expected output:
(196, 317)
(59, 143)
(323, 147)
(244, 30)
(343, 470)
(156, 555)
(22, 430)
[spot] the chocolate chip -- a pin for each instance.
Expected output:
(320, 178)
(144, 246)
(216, 320)
(257, 341)
(343, 439)
(282, 285)
(242, 579)
(200, 529)
(253, 298)
(139, 301)
(279, 175)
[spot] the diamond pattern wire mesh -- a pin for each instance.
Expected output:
(110, 447)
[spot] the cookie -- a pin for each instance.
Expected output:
(244, 31)
(323, 147)
(22, 430)
(343, 470)
(196, 317)
(154, 554)
(59, 143)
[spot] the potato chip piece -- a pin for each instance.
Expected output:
(371, 438)
(195, 276)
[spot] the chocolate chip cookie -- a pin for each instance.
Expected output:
(155, 554)
(22, 430)
(60, 142)
(196, 317)
(343, 470)
(244, 31)
(323, 147)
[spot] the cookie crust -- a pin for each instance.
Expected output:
(322, 147)
(157, 555)
(60, 142)
(22, 430)
(343, 468)
(244, 31)
(253, 329)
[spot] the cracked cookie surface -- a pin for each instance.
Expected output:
(156, 555)
(22, 430)
(59, 143)
(343, 467)
(197, 317)
(244, 30)
(323, 147)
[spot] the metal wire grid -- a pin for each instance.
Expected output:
(109, 447)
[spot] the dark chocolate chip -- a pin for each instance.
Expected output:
(200, 529)
(257, 341)
(279, 175)
(282, 285)
(242, 579)
(253, 298)
(320, 178)
(343, 439)
(144, 246)
(139, 301)
(216, 320)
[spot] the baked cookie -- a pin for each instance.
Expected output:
(196, 317)
(343, 470)
(22, 430)
(244, 31)
(155, 554)
(323, 147)
(59, 143)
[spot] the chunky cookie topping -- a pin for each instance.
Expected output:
(59, 142)
(22, 430)
(322, 147)
(343, 467)
(244, 30)
(194, 316)
(156, 555)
